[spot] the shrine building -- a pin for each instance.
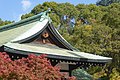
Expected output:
(38, 35)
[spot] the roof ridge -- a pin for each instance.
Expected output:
(35, 17)
(21, 22)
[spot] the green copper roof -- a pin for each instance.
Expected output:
(39, 49)
(20, 31)
(11, 31)
(10, 34)
(26, 21)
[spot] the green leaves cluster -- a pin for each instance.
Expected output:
(58, 11)
(101, 37)
(4, 22)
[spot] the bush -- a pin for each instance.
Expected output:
(30, 68)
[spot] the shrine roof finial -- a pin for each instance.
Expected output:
(45, 15)
(46, 12)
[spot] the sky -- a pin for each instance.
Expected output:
(13, 9)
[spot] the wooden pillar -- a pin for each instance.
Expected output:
(72, 67)
(70, 70)
(70, 73)
(2, 49)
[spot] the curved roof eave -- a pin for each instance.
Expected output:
(60, 38)
(57, 53)
(34, 31)
(24, 21)
(38, 28)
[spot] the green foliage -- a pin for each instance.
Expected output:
(91, 12)
(115, 75)
(55, 19)
(97, 39)
(5, 22)
(93, 39)
(27, 15)
(37, 9)
(68, 10)
(112, 17)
